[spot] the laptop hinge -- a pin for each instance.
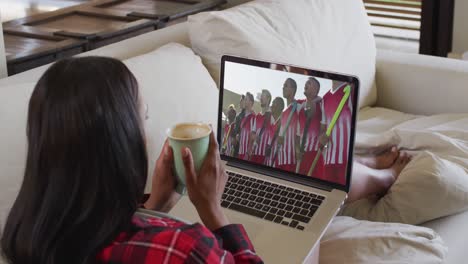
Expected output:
(280, 175)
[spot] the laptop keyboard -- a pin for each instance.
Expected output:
(277, 203)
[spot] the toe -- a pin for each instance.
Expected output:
(403, 158)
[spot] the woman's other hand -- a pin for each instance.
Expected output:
(163, 195)
(206, 187)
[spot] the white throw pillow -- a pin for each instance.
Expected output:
(14, 100)
(177, 88)
(332, 35)
(348, 240)
(430, 186)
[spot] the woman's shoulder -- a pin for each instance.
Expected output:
(151, 238)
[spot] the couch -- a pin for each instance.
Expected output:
(407, 83)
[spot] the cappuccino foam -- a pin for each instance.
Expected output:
(190, 131)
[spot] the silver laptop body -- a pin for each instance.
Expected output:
(284, 212)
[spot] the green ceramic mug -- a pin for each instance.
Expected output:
(196, 137)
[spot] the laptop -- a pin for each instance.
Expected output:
(286, 135)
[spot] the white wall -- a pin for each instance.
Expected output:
(3, 67)
(460, 27)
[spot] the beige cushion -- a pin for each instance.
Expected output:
(332, 35)
(421, 84)
(177, 88)
(348, 240)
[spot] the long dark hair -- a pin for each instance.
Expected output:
(86, 165)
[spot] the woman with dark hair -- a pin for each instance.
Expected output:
(86, 171)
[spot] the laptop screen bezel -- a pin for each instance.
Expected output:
(286, 175)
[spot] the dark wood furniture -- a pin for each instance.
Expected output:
(27, 50)
(41, 39)
(37, 40)
(163, 10)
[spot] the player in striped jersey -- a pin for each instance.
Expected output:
(290, 131)
(277, 108)
(247, 129)
(228, 133)
(237, 123)
(312, 115)
(336, 152)
(264, 121)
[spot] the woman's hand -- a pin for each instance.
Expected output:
(163, 195)
(206, 188)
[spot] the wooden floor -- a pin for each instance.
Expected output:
(13, 9)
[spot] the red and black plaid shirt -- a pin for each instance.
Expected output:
(164, 240)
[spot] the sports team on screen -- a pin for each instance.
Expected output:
(307, 136)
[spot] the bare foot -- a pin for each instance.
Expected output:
(381, 161)
(389, 176)
(400, 164)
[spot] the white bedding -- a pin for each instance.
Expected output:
(443, 136)
(434, 184)
(454, 231)
(353, 241)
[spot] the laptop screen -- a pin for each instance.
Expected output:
(288, 119)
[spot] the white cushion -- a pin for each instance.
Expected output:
(332, 35)
(348, 240)
(177, 88)
(14, 100)
(411, 83)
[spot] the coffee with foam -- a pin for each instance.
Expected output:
(194, 136)
(188, 131)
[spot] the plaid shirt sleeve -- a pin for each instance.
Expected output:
(230, 244)
(162, 240)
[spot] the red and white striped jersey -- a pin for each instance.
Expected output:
(287, 152)
(318, 118)
(272, 142)
(248, 125)
(338, 146)
(263, 133)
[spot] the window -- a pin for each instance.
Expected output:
(423, 26)
(396, 23)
